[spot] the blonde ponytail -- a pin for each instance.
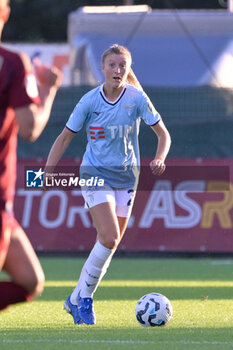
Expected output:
(133, 80)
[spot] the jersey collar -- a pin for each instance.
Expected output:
(105, 98)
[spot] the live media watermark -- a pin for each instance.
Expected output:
(189, 178)
(74, 181)
(37, 179)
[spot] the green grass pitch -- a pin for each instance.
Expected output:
(200, 290)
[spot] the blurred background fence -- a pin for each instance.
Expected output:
(184, 60)
(200, 120)
(46, 20)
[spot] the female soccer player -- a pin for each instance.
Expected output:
(111, 113)
(25, 111)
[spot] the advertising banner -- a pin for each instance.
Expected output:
(187, 209)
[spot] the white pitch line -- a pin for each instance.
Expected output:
(221, 262)
(84, 341)
(190, 342)
(75, 341)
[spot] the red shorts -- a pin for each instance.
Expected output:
(7, 224)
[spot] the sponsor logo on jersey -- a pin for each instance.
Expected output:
(130, 106)
(121, 131)
(96, 132)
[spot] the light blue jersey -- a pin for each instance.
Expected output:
(112, 128)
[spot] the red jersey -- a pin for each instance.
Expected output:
(17, 89)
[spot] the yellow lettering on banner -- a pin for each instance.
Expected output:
(219, 208)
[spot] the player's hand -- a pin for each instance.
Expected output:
(47, 76)
(157, 167)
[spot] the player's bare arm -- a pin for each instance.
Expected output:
(32, 119)
(60, 145)
(164, 142)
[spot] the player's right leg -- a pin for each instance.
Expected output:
(95, 267)
(5, 234)
(73, 310)
(110, 219)
(24, 268)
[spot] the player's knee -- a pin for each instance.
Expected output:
(37, 286)
(111, 242)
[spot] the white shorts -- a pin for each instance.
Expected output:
(122, 198)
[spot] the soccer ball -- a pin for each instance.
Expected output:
(153, 309)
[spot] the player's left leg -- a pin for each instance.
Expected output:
(23, 266)
(123, 222)
(124, 205)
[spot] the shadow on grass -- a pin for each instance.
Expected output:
(88, 333)
(141, 269)
(134, 292)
